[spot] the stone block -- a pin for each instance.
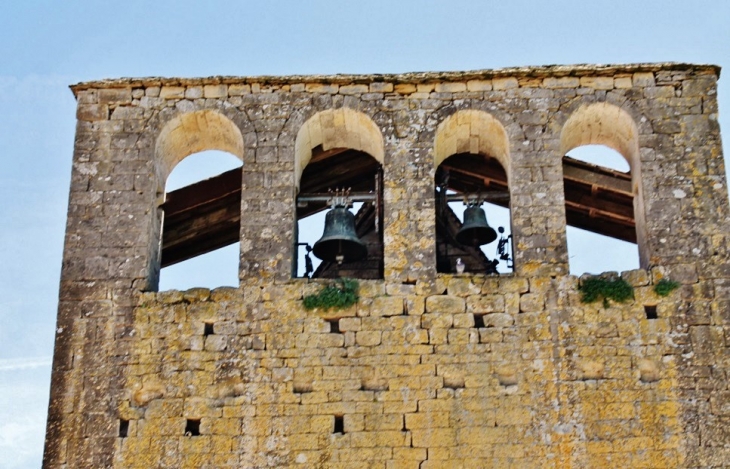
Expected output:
(194, 92)
(531, 302)
(643, 79)
(349, 324)
(353, 89)
(433, 437)
(380, 87)
(461, 286)
(561, 82)
(463, 321)
(216, 343)
(427, 420)
(479, 85)
(450, 87)
(215, 91)
(87, 97)
(500, 84)
(702, 86)
(437, 321)
(623, 83)
(243, 89)
(445, 304)
(508, 285)
(664, 123)
(196, 294)
(597, 83)
(485, 304)
(386, 306)
(115, 95)
(92, 112)
(648, 371)
(170, 297)
(321, 88)
(368, 338)
(172, 92)
(147, 393)
(498, 320)
(409, 454)
(506, 375)
(378, 422)
(461, 336)
(405, 88)
(590, 369)
(127, 112)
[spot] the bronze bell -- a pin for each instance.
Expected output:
(339, 242)
(475, 230)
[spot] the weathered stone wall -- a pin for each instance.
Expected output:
(549, 382)
(413, 378)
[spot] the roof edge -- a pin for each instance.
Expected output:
(409, 77)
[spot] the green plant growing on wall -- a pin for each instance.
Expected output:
(595, 288)
(340, 295)
(665, 286)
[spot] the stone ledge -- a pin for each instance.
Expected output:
(400, 78)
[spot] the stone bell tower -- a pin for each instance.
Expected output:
(430, 367)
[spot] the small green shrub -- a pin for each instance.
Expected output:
(340, 295)
(595, 288)
(665, 286)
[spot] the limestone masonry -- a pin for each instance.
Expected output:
(430, 369)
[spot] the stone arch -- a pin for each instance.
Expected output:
(609, 125)
(185, 233)
(472, 147)
(337, 128)
(194, 132)
(602, 124)
(472, 131)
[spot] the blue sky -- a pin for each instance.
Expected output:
(46, 45)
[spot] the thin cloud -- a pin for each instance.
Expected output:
(25, 363)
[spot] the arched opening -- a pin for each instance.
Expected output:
(201, 207)
(473, 222)
(339, 234)
(217, 265)
(602, 197)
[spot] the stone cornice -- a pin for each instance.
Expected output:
(411, 77)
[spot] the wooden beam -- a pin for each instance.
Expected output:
(620, 207)
(201, 217)
(584, 173)
(597, 222)
(318, 154)
(599, 199)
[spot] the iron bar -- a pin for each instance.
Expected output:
(326, 197)
(480, 196)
